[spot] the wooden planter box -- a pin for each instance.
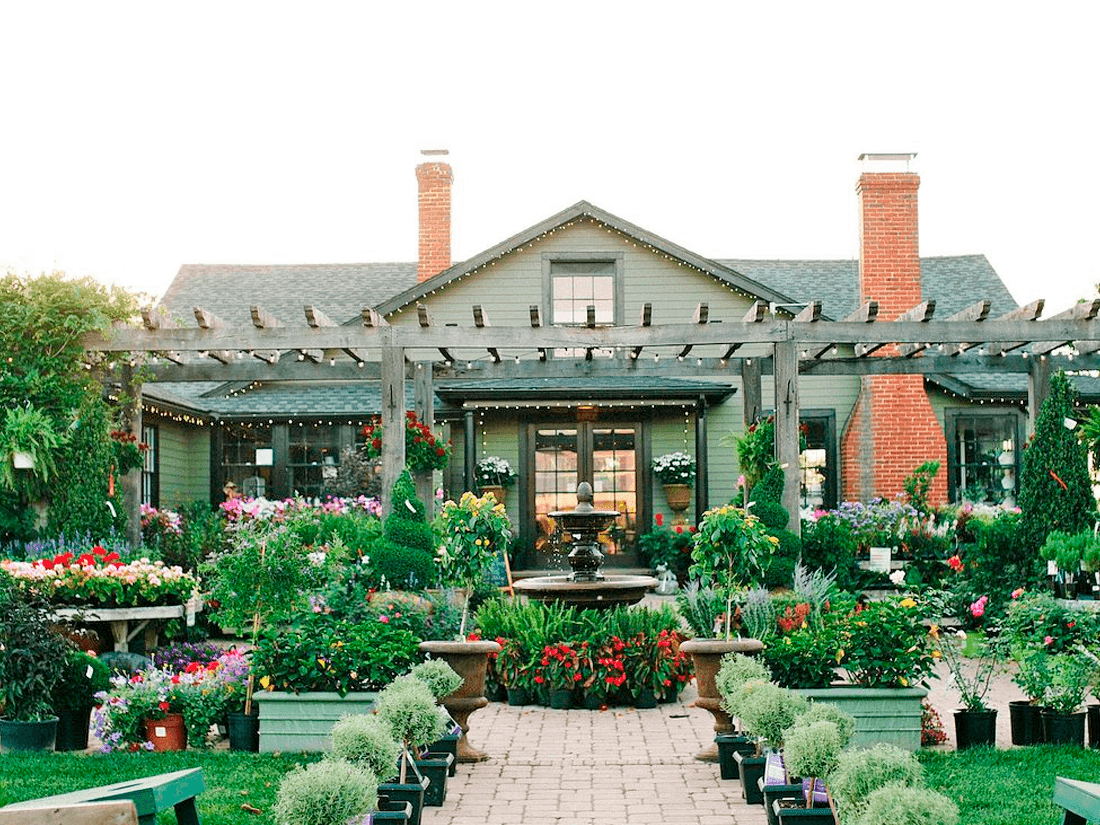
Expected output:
(890, 715)
(303, 721)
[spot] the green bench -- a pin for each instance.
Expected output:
(149, 795)
(1081, 800)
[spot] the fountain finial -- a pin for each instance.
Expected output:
(584, 497)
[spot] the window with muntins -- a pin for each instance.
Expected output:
(577, 285)
(982, 457)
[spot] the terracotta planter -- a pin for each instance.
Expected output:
(167, 734)
(679, 499)
(470, 660)
(706, 654)
(501, 493)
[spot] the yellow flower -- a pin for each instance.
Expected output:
(904, 681)
(840, 656)
(934, 631)
(907, 602)
(936, 654)
(265, 682)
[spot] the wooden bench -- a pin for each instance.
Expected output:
(1081, 800)
(149, 795)
(118, 812)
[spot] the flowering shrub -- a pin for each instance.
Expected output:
(98, 578)
(881, 523)
(675, 468)
(423, 449)
(931, 727)
(159, 522)
(127, 452)
(668, 546)
(494, 471)
(884, 645)
(559, 666)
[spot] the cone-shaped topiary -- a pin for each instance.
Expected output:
(406, 558)
(406, 506)
(366, 741)
(909, 806)
(330, 792)
(440, 677)
(1055, 491)
(861, 772)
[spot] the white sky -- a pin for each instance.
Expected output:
(137, 137)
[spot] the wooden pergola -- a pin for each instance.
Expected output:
(766, 341)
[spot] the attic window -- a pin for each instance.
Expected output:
(576, 285)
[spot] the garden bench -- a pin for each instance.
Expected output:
(116, 812)
(1081, 800)
(149, 795)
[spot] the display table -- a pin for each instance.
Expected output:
(120, 618)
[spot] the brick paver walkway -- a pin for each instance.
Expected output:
(582, 767)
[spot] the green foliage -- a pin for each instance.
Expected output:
(81, 678)
(772, 514)
(859, 773)
(32, 656)
(1032, 673)
(330, 792)
(1036, 621)
(1071, 675)
(406, 506)
(668, 546)
(440, 677)
(756, 450)
(27, 429)
(402, 567)
(811, 747)
(365, 740)
(918, 485)
(804, 658)
(768, 711)
(770, 488)
(409, 709)
(701, 607)
(474, 530)
(901, 805)
(781, 565)
(736, 670)
(885, 646)
(845, 722)
(1055, 491)
(321, 652)
(1000, 560)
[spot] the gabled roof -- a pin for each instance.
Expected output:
(339, 290)
(580, 211)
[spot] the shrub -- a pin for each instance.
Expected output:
(781, 568)
(811, 748)
(367, 741)
(859, 773)
(900, 805)
(886, 646)
(804, 658)
(768, 711)
(440, 678)
(845, 722)
(735, 670)
(828, 544)
(401, 567)
(701, 606)
(82, 677)
(330, 792)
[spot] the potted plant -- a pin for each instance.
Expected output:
(1032, 678)
(811, 749)
(861, 772)
(767, 711)
(368, 742)
(730, 550)
(1071, 676)
(560, 672)
(232, 672)
(442, 680)
(735, 670)
(676, 471)
(409, 709)
(910, 806)
(329, 792)
(28, 443)
(975, 724)
(32, 661)
(424, 450)
(1067, 551)
(494, 475)
(474, 530)
(73, 698)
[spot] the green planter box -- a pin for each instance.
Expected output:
(890, 715)
(303, 721)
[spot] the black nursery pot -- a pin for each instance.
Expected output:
(728, 745)
(1064, 728)
(1092, 713)
(975, 728)
(72, 729)
(751, 768)
(244, 731)
(1025, 723)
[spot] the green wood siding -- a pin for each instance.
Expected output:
(184, 463)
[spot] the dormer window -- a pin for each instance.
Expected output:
(578, 281)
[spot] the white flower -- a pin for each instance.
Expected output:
(961, 635)
(897, 577)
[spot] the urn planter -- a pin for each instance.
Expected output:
(470, 660)
(974, 728)
(679, 499)
(706, 655)
(890, 715)
(303, 721)
(27, 736)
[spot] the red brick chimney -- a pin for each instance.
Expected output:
(893, 428)
(434, 179)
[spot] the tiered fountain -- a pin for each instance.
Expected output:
(586, 586)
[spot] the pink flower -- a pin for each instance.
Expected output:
(977, 609)
(1019, 591)
(1048, 640)
(955, 563)
(384, 619)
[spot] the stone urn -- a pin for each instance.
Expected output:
(706, 655)
(470, 660)
(679, 499)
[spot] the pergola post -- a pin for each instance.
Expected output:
(702, 475)
(750, 389)
(393, 417)
(131, 482)
(469, 452)
(786, 426)
(1038, 387)
(424, 405)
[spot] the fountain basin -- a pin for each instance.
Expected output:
(604, 592)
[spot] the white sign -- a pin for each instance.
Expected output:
(880, 560)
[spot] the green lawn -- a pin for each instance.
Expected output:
(1006, 787)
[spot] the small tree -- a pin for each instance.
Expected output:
(1055, 491)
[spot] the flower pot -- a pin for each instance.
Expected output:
(27, 736)
(1093, 715)
(448, 743)
(561, 698)
(167, 734)
(72, 729)
(398, 813)
(751, 770)
(645, 698)
(790, 811)
(435, 767)
(500, 493)
(1063, 728)
(679, 499)
(411, 791)
(470, 660)
(303, 721)
(772, 793)
(244, 731)
(974, 728)
(706, 655)
(890, 715)
(1025, 723)
(518, 697)
(729, 744)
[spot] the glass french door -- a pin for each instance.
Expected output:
(604, 455)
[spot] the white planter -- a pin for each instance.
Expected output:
(22, 461)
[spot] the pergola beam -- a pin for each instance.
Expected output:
(865, 314)
(921, 313)
(702, 311)
(316, 319)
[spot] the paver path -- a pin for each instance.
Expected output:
(615, 767)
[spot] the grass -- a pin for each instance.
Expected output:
(992, 787)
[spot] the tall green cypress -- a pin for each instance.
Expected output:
(1055, 489)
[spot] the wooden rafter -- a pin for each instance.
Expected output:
(209, 321)
(1029, 314)
(425, 319)
(152, 320)
(645, 320)
(264, 320)
(1081, 311)
(316, 319)
(1025, 313)
(481, 320)
(921, 313)
(702, 312)
(756, 315)
(975, 313)
(536, 322)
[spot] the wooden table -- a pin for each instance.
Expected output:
(149, 795)
(119, 618)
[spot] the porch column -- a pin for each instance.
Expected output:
(702, 485)
(469, 452)
(424, 405)
(393, 416)
(786, 426)
(1038, 387)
